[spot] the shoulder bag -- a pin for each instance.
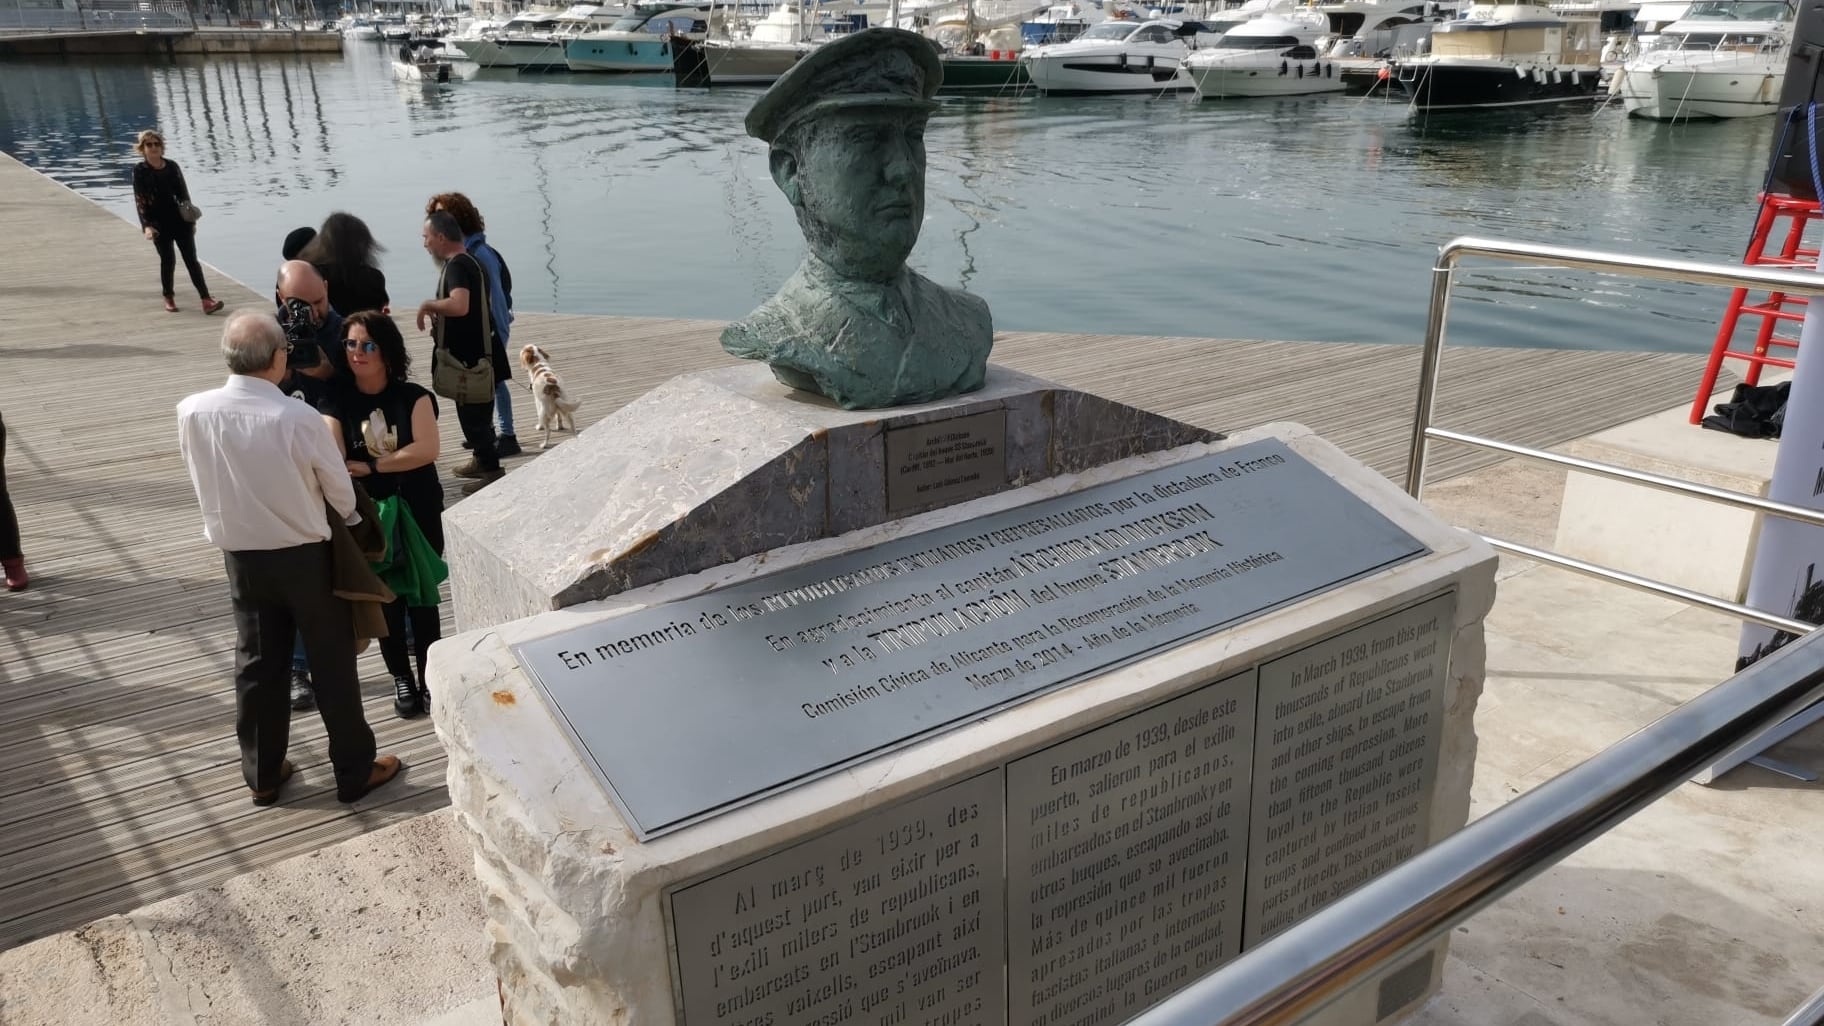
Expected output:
(450, 377)
(189, 211)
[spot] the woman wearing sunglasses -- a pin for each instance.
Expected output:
(160, 193)
(387, 428)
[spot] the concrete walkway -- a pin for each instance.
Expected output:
(1704, 910)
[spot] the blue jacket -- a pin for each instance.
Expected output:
(500, 302)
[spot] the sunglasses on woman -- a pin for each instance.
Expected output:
(359, 346)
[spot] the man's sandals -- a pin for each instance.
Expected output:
(385, 769)
(265, 798)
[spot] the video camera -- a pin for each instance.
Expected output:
(300, 334)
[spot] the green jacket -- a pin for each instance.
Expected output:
(410, 567)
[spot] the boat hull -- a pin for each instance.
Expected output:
(1683, 93)
(1263, 78)
(969, 74)
(618, 55)
(720, 63)
(1443, 85)
(1073, 75)
(529, 54)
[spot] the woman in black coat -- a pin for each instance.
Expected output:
(159, 192)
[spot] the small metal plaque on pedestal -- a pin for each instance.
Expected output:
(946, 461)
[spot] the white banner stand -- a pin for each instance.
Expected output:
(1788, 573)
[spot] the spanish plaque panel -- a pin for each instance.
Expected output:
(946, 461)
(1345, 756)
(1126, 858)
(692, 707)
(893, 920)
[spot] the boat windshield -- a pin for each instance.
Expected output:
(1721, 41)
(1111, 30)
(1741, 10)
(1235, 42)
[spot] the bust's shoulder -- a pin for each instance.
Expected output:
(789, 313)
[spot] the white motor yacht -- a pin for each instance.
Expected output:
(641, 40)
(1114, 57)
(1504, 53)
(1273, 55)
(534, 40)
(1723, 59)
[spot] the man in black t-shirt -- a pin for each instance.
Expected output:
(457, 316)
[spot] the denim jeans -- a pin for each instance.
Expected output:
(503, 407)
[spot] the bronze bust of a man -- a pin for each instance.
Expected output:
(846, 127)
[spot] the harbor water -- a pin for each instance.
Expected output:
(1311, 218)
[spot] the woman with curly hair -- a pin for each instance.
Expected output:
(386, 427)
(344, 252)
(161, 194)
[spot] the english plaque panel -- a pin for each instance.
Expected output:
(1345, 756)
(946, 461)
(694, 706)
(1126, 854)
(893, 920)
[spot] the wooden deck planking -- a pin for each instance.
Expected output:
(121, 782)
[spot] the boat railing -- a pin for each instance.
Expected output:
(1390, 922)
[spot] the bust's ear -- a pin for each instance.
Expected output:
(784, 165)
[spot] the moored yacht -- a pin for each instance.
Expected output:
(1723, 59)
(1115, 57)
(1273, 55)
(641, 40)
(1504, 53)
(534, 40)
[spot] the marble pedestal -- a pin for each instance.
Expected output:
(1072, 858)
(715, 466)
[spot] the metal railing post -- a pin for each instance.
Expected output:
(1811, 1013)
(1442, 275)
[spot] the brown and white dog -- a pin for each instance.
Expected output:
(554, 405)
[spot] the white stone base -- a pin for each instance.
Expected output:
(577, 905)
(1693, 543)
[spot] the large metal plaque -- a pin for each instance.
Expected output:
(1126, 857)
(946, 461)
(1345, 756)
(692, 707)
(893, 920)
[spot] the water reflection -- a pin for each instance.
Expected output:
(1309, 217)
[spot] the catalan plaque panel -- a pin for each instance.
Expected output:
(694, 706)
(1125, 858)
(946, 461)
(893, 920)
(1345, 757)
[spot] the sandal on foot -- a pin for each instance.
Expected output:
(212, 305)
(385, 769)
(170, 304)
(265, 798)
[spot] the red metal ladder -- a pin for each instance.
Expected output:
(1777, 307)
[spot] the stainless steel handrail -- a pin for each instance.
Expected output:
(1316, 961)
(1652, 587)
(1740, 500)
(1658, 268)
(1443, 277)
(1811, 1013)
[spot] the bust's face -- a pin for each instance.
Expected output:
(860, 188)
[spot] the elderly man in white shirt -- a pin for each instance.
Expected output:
(263, 469)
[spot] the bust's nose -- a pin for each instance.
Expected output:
(899, 165)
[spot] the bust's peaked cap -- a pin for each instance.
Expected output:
(877, 67)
